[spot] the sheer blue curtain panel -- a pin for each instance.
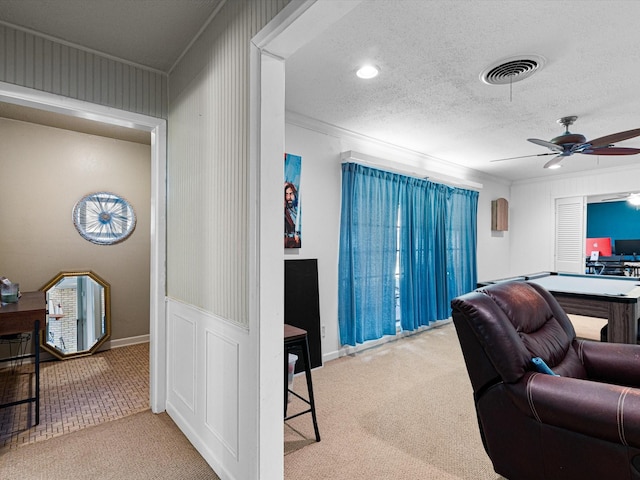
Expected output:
(367, 259)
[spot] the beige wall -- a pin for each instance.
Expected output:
(44, 171)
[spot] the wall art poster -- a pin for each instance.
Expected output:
(292, 204)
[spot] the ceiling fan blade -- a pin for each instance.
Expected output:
(544, 143)
(614, 138)
(553, 161)
(523, 156)
(612, 151)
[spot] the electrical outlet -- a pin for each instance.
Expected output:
(323, 331)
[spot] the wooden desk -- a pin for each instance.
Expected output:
(21, 317)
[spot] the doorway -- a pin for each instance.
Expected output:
(17, 95)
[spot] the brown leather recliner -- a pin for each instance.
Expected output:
(582, 424)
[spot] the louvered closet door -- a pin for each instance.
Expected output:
(570, 234)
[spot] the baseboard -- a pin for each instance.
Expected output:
(123, 342)
(120, 342)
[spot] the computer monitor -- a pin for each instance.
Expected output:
(627, 247)
(601, 245)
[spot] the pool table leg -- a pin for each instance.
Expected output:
(623, 322)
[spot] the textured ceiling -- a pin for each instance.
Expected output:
(428, 97)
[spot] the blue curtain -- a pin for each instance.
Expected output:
(426, 229)
(462, 222)
(367, 261)
(422, 251)
(437, 260)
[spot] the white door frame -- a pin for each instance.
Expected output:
(296, 24)
(27, 97)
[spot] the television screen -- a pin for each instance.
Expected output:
(600, 245)
(627, 247)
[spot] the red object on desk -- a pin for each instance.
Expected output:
(600, 245)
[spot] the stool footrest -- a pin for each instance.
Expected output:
(300, 397)
(297, 414)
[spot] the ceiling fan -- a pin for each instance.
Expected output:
(569, 143)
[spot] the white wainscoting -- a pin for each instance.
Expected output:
(221, 407)
(204, 394)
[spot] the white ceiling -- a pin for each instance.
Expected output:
(428, 96)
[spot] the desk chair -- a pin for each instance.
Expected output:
(295, 339)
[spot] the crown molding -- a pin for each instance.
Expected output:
(407, 159)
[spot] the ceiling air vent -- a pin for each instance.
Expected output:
(510, 70)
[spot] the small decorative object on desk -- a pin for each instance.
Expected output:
(9, 292)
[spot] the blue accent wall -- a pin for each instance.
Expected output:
(617, 220)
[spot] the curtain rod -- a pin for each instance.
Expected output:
(376, 162)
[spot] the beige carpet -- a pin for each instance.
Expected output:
(403, 410)
(143, 446)
(400, 411)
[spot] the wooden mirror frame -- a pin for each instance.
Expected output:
(52, 315)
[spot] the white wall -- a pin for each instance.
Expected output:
(320, 189)
(532, 211)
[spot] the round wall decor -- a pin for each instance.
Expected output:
(104, 218)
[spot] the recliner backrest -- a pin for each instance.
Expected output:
(513, 322)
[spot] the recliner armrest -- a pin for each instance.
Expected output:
(600, 410)
(616, 363)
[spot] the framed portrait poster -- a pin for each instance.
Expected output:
(292, 203)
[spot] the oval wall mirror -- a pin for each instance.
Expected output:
(79, 314)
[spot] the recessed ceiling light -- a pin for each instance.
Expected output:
(553, 167)
(367, 71)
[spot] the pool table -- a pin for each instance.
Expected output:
(615, 298)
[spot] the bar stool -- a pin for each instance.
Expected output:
(296, 339)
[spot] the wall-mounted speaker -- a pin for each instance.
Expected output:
(500, 215)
